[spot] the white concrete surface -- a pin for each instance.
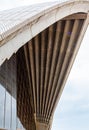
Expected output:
(18, 26)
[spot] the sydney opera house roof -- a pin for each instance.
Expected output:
(44, 39)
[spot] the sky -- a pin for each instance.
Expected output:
(72, 112)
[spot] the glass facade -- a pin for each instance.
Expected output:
(8, 96)
(2, 99)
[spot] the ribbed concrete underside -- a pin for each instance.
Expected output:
(42, 65)
(39, 71)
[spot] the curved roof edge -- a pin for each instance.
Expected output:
(17, 27)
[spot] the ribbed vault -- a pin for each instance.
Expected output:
(42, 65)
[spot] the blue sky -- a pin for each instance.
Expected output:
(72, 112)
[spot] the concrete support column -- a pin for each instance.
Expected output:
(42, 126)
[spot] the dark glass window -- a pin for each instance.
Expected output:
(2, 99)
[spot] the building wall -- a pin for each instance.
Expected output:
(8, 96)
